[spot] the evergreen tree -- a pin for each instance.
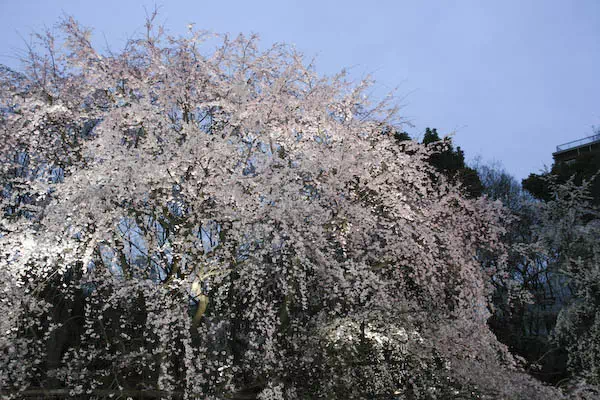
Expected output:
(451, 162)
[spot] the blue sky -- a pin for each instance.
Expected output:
(512, 79)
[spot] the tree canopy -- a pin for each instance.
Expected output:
(181, 222)
(451, 162)
(583, 168)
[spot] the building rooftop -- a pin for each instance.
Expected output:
(577, 143)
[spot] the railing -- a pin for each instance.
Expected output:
(577, 143)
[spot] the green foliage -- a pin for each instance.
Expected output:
(401, 136)
(451, 162)
(537, 185)
(583, 168)
(430, 136)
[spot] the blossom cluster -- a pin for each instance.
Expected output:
(191, 224)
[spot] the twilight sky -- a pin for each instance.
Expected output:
(512, 79)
